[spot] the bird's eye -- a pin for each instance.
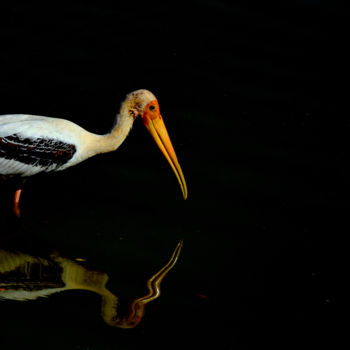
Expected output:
(152, 108)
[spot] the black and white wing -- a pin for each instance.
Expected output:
(28, 145)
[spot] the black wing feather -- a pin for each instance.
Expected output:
(37, 152)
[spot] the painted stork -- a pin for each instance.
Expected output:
(31, 144)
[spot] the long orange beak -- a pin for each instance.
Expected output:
(155, 125)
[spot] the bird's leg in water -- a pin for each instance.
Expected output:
(16, 209)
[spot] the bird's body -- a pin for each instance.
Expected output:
(32, 144)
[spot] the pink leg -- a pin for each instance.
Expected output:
(16, 209)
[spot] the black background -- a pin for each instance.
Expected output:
(249, 94)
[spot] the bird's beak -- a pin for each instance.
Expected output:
(155, 125)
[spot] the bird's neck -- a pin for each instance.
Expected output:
(120, 131)
(111, 141)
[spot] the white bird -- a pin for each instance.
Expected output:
(31, 144)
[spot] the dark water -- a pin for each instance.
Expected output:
(241, 89)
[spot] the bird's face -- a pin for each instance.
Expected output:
(154, 123)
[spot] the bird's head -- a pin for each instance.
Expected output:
(144, 104)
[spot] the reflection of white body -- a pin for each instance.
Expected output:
(32, 285)
(24, 277)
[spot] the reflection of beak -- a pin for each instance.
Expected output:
(137, 306)
(155, 125)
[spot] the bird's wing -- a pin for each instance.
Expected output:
(29, 146)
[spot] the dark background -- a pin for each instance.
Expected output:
(244, 91)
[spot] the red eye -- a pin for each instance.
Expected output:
(152, 108)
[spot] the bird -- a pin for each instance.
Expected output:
(32, 144)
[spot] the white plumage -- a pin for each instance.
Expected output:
(26, 127)
(34, 128)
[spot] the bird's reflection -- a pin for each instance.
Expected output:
(26, 277)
